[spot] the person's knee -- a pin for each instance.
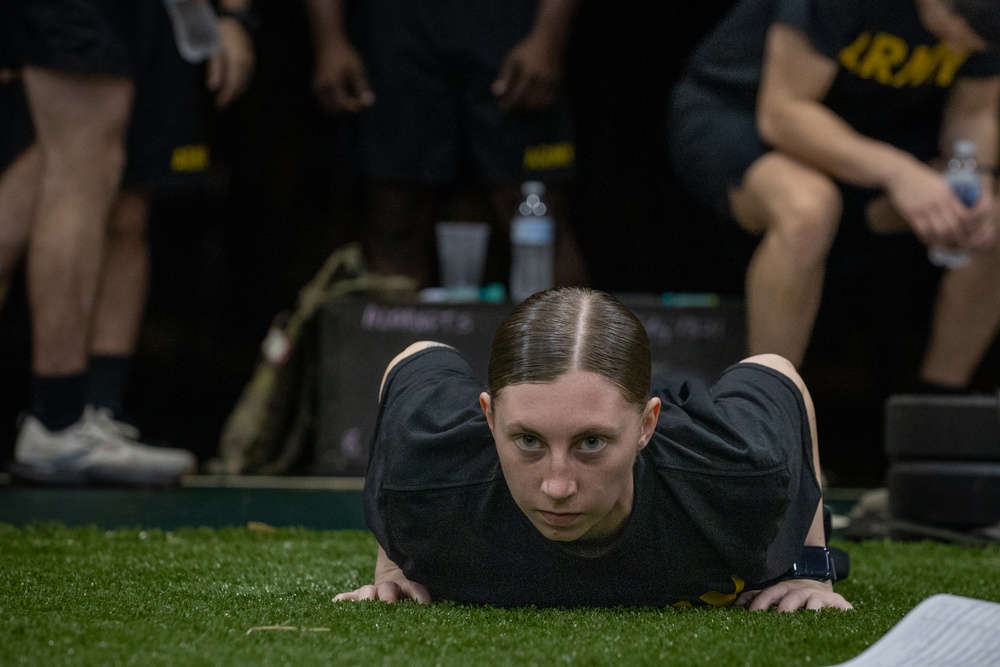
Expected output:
(808, 222)
(795, 207)
(93, 169)
(128, 221)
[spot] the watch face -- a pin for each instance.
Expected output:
(813, 563)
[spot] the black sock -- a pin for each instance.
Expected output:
(107, 376)
(57, 400)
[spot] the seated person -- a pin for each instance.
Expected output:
(805, 125)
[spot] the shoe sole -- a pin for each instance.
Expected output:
(47, 477)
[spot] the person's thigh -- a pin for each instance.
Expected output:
(77, 114)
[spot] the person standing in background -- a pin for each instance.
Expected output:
(445, 96)
(95, 75)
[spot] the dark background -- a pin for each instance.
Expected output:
(282, 195)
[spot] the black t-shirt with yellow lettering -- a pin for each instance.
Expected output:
(893, 73)
(724, 496)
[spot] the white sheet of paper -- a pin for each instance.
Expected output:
(944, 629)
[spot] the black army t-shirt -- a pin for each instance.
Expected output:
(893, 73)
(724, 496)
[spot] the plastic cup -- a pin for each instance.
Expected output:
(462, 254)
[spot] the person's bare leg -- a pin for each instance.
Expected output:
(124, 281)
(965, 322)
(798, 212)
(398, 233)
(966, 317)
(80, 122)
(18, 191)
(121, 303)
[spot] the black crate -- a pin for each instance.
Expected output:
(942, 427)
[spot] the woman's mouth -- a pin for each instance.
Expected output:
(558, 518)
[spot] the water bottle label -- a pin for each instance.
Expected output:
(964, 181)
(961, 172)
(532, 230)
(967, 192)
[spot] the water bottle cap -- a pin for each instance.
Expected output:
(964, 148)
(532, 231)
(533, 188)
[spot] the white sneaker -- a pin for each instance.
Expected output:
(95, 450)
(106, 420)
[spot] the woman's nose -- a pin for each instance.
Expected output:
(559, 482)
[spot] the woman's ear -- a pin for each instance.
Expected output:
(650, 415)
(486, 403)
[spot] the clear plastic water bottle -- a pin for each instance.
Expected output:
(196, 30)
(532, 238)
(964, 178)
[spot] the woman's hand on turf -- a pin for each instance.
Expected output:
(391, 585)
(388, 591)
(793, 594)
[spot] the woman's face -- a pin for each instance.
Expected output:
(567, 448)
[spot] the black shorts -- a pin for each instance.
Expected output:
(80, 36)
(166, 144)
(435, 120)
(712, 141)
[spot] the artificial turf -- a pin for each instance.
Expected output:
(87, 596)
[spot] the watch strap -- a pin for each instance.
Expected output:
(814, 563)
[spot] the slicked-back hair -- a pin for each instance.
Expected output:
(571, 328)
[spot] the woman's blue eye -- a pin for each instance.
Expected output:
(591, 444)
(527, 442)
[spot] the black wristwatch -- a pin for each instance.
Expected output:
(814, 563)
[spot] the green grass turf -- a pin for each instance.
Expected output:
(86, 596)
